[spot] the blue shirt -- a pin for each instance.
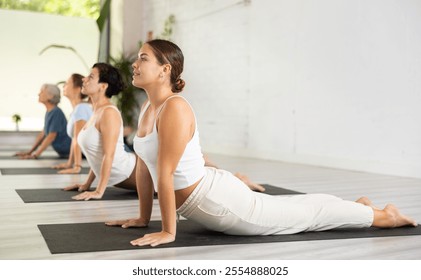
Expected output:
(82, 111)
(55, 121)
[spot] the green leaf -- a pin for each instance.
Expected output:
(67, 48)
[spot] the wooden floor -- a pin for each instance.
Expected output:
(21, 239)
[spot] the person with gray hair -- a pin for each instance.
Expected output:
(54, 132)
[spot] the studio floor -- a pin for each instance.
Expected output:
(22, 240)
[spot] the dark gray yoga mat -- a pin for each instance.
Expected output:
(35, 171)
(94, 237)
(272, 190)
(111, 193)
(41, 157)
(59, 195)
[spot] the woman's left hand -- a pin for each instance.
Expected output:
(88, 196)
(154, 239)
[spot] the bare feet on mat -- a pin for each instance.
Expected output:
(400, 220)
(364, 200)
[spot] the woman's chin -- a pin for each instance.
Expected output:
(136, 83)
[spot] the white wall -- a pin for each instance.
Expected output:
(116, 30)
(347, 78)
(331, 83)
(23, 70)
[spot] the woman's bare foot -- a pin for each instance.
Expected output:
(399, 220)
(253, 186)
(367, 202)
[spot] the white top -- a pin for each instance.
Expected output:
(190, 168)
(90, 142)
(82, 111)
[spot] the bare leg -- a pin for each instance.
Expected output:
(250, 184)
(391, 217)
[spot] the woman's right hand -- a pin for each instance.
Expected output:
(78, 187)
(154, 239)
(136, 222)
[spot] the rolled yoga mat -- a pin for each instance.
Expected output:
(94, 237)
(111, 193)
(35, 171)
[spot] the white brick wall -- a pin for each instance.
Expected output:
(334, 83)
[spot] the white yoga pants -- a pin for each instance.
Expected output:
(221, 202)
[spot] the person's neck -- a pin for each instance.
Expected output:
(101, 102)
(49, 106)
(75, 102)
(158, 96)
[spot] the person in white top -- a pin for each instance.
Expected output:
(170, 161)
(82, 112)
(101, 139)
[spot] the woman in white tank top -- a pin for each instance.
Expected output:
(167, 143)
(101, 139)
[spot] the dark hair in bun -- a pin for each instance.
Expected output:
(178, 85)
(110, 75)
(167, 52)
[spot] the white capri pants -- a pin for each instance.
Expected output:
(221, 202)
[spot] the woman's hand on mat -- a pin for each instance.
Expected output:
(88, 196)
(136, 222)
(29, 156)
(78, 187)
(154, 239)
(20, 154)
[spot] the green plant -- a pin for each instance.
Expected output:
(73, 8)
(67, 48)
(16, 119)
(167, 32)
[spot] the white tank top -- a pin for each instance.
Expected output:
(90, 142)
(191, 167)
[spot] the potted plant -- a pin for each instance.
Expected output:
(16, 119)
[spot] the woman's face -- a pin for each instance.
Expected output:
(68, 88)
(146, 69)
(90, 83)
(43, 96)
